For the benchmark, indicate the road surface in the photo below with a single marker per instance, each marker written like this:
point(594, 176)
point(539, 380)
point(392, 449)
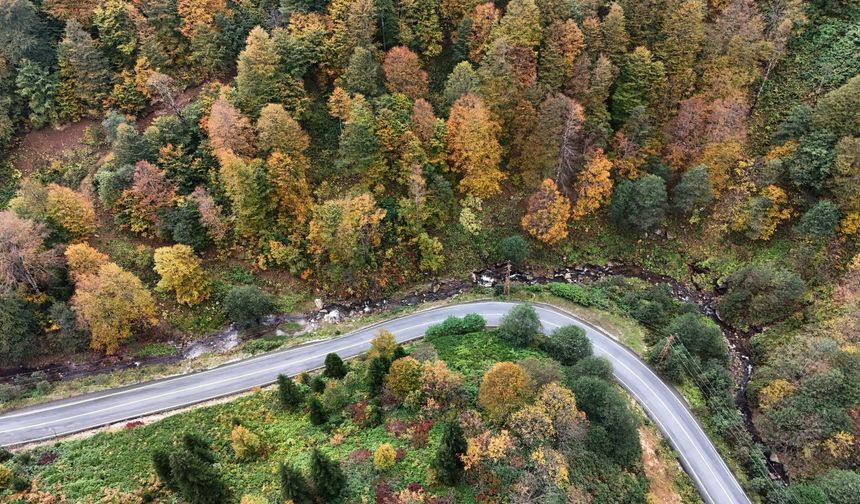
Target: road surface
point(664, 406)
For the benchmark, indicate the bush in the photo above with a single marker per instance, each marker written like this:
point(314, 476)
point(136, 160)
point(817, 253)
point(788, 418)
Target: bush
point(334, 367)
point(758, 295)
point(5, 477)
point(376, 372)
point(452, 325)
point(199, 483)
point(289, 394)
point(607, 409)
point(520, 326)
point(384, 457)
point(568, 344)
point(581, 295)
point(841, 486)
point(513, 249)
point(246, 445)
point(246, 305)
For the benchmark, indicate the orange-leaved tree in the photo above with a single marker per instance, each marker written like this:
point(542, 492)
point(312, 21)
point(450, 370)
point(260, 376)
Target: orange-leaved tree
point(547, 213)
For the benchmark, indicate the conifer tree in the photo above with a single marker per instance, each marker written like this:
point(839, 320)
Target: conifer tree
point(84, 73)
point(334, 367)
point(316, 411)
point(327, 476)
point(448, 464)
point(289, 394)
point(294, 487)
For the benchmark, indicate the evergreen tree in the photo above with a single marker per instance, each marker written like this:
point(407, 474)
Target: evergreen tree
point(316, 411)
point(693, 191)
point(294, 487)
point(359, 149)
point(639, 84)
point(161, 463)
point(520, 326)
point(362, 73)
point(327, 476)
point(258, 73)
point(289, 394)
point(39, 87)
point(334, 367)
point(448, 464)
point(376, 375)
point(199, 483)
point(639, 204)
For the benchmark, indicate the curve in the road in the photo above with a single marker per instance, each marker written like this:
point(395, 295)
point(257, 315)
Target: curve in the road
point(664, 406)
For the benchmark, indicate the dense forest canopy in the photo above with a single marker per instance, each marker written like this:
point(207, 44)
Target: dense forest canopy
point(364, 145)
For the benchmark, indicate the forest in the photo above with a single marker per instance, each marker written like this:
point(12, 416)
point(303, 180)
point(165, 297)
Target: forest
point(240, 158)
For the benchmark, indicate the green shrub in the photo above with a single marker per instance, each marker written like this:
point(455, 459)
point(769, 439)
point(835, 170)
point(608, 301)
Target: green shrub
point(5, 477)
point(265, 344)
point(521, 326)
point(513, 249)
point(246, 305)
point(316, 411)
point(581, 295)
point(334, 366)
point(598, 367)
point(448, 463)
point(289, 395)
point(568, 345)
point(327, 476)
point(294, 487)
point(452, 325)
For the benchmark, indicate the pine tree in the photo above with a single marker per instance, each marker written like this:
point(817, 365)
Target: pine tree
point(294, 487)
point(362, 73)
point(327, 476)
point(640, 83)
point(615, 38)
point(316, 411)
point(448, 464)
point(376, 375)
point(289, 394)
point(334, 367)
point(199, 483)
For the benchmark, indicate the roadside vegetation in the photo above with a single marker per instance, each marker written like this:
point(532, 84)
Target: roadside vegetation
point(465, 415)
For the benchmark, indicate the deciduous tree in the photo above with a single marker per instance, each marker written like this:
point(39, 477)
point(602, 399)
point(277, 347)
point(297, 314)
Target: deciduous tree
point(473, 147)
point(593, 185)
point(403, 73)
point(82, 260)
point(504, 389)
point(181, 272)
point(547, 214)
point(110, 304)
point(563, 43)
point(24, 261)
point(71, 210)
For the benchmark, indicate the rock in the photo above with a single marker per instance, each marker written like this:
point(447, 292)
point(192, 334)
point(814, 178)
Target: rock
point(280, 333)
point(318, 303)
point(333, 317)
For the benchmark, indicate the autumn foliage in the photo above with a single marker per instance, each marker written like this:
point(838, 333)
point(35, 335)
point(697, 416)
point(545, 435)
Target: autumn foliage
point(547, 214)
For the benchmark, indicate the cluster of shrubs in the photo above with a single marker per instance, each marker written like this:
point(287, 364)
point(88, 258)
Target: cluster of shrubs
point(15, 469)
point(471, 323)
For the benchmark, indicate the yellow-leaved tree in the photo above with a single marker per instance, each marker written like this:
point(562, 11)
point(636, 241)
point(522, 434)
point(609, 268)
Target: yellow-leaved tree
point(593, 185)
point(71, 210)
point(82, 260)
point(547, 213)
point(181, 272)
point(473, 147)
point(505, 388)
point(110, 303)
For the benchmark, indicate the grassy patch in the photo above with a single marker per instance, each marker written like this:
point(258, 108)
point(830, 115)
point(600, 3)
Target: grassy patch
point(155, 350)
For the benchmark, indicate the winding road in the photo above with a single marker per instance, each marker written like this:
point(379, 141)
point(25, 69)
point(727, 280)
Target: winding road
point(664, 406)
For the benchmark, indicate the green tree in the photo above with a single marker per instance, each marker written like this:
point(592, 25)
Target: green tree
point(700, 337)
point(362, 73)
point(521, 24)
point(448, 463)
point(463, 79)
point(521, 326)
point(316, 411)
point(199, 483)
point(334, 367)
point(837, 110)
point(116, 30)
point(18, 331)
point(514, 249)
point(639, 84)
point(21, 31)
point(819, 223)
point(614, 31)
point(419, 26)
point(359, 149)
point(289, 394)
point(85, 77)
point(39, 87)
point(563, 44)
point(376, 372)
point(613, 425)
point(294, 487)
point(639, 204)
point(693, 192)
point(327, 476)
point(258, 73)
point(246, 305)
point(568, 345)
point(841, 486)
point(758, 294)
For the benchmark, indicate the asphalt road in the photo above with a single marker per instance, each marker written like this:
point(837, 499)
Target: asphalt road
point(664, 406)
